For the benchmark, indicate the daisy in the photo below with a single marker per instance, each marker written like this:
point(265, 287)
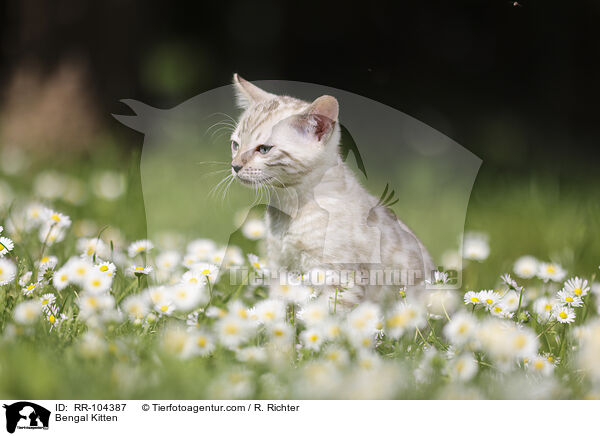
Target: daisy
point(232, 331)
point(461, 328)
point(168, 260)
point(135, 306)
point(107, 268)
point(201, 249)
point(233, 257)
point(577, 287)
point(60, 279)
point(551, 271)
point(186, 297)
point(290, 293)
point(312, 339)
point(254, 229)
point(202, 343)
point(92, 247)
point(157, 295)
point(34, 213)
point(564, 314)
point(472, 297)
point(77, 269)
point(139, 271)
point(270, 311)
point(46, 301)
point(464, 368)
point(25, 278)
point(336, 355)
point(476, 246)
point(439, 278)
point(27, 312)
point(540, 365)
point(208, 270)
point(314, 313)
point(511, 301)
point(165, 308)
point(194, 278)
point(489, 298)
point(501, 311)
point(281, 332)
point(55, 219)
point(565, 297)
point(47, 262)
point(193, 321)
point(256, 263)
point(526, 267)
point(29, 289)
point(139, 247)
point(404, 316)
point(51, 234)
point(6, 245)
point(543, 307)
point(96, 282)
point(523, 342)
point(55, 321)
point(8, 270)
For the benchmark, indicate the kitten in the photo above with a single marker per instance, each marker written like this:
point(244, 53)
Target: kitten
point(319, 216)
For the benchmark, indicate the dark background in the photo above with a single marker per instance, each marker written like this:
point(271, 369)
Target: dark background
point(517, 85)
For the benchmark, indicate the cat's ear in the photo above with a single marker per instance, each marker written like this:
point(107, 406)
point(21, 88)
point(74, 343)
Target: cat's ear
point(320, 117)
point(247, 93)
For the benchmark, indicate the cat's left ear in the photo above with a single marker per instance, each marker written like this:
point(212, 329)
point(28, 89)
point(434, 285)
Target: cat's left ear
point(322, 115)
point(247, 93)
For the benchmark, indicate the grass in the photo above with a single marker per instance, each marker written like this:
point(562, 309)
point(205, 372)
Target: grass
point(528, 214)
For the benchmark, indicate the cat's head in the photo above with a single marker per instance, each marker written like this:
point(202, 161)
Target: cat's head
point(280, 140)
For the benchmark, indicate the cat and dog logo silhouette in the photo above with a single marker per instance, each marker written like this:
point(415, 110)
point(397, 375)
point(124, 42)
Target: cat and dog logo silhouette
point(26, 415)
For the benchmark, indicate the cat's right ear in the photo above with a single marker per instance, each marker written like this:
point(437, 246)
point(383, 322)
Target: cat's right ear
point(247, 93)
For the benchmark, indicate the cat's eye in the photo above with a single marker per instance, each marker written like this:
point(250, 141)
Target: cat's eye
point(234, 146)
point(264, 149)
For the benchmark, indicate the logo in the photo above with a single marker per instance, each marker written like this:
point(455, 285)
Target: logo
point(26, 415)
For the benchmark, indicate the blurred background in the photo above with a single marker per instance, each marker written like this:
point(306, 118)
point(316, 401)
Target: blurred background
point(516, 83)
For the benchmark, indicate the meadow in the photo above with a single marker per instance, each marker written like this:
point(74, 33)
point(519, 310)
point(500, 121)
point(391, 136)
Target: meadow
point(90, 308)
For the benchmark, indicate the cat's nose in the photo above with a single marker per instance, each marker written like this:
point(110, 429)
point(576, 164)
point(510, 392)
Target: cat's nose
point(236, 168)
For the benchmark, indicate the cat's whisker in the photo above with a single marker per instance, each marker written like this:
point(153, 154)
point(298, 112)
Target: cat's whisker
point(214, 190)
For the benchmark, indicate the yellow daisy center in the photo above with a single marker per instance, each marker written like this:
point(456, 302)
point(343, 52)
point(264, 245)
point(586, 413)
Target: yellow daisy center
point(539, 364)
point(569, 299)
point(51, 319)
point(55, 217)
point(550, 269)
point(96, 283)
point(164, 308)
point(475, 299)
point(201, 341)
point(104, 268)
point(231, 329)
point(563, 315)
point(206, 272)
point(45, 259)
point(31, 287)
point(577, 291)
point(489, 301)
point(1, 247)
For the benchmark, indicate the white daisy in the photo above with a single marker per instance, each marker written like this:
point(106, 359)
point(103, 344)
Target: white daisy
point(543, 307)
point(232, 331)
point(165, 308)
point(194, 278)
point(96, 282)
point(27, 312)
point(78, 269)
point(168, 260)
point(551, 271)
point(254, 229)
point(139, 270)
point(6, 245)
point(472, 297)
point(60, 279)
point(25, 278)
point(312, 338)
point(201, 249)
point(526, 267)
point(404, 316)
point(489, 298)
point(208, 270)
point(136, 306)
point(476, 246)
point(46, 301)
point(51, 234)
point(202, 343)
point(567, 298)
point(55, 219)
point(564, 314)
point(29, 289)
point(257, 264)
point(540, 365)
point(461, 328)
point(577, 287)
point(107, 268)
point(139, 247)
point(270, 311)
point(8, 270)
point(186, 297)
point(463, 368)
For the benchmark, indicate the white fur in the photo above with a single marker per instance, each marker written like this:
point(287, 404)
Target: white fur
point(319, 215)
